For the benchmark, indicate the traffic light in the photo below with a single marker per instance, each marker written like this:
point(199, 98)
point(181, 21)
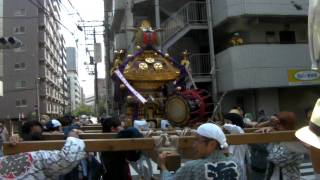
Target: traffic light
point(9, 43)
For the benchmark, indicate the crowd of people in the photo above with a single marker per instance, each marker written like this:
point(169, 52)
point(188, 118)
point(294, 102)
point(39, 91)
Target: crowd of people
point(215, 159)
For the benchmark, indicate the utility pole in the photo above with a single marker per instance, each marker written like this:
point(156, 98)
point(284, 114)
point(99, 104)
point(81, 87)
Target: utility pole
point(95, 78)
point(107, 63)
point(212, 56)
point(158, 23)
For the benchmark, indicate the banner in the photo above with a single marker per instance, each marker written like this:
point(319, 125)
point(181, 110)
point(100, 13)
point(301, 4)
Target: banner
point(132, 90)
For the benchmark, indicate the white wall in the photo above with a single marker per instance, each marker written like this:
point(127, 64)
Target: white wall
point(222, 9)
point(259, 65)
point(258, 31)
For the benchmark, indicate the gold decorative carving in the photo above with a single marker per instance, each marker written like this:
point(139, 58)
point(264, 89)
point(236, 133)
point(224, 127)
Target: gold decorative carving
point(149, 60)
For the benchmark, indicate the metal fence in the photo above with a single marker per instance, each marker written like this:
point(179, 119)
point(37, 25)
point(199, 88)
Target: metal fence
point(200, 64)
point(191, 13)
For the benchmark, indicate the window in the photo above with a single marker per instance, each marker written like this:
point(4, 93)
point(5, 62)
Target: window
point(18, 103)
point(21, 103)
point(20, 12)
point(20, 66)
point(19, 30)
point(270, 37)
point(42, 28)
point(21, 84)
point(20, 49)
point(287, 37)
point(41, 45)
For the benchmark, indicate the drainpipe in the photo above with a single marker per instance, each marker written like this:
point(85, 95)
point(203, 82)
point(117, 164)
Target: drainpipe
point(158, 24)
point(212, 56)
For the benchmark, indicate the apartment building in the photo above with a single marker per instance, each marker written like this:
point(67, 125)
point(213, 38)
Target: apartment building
point(259, 54)
point(33, 74)
point(64, 87)
point(73, 80)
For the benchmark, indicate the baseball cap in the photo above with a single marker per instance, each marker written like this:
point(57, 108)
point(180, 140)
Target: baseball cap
point(212, 131)
point(53, 124)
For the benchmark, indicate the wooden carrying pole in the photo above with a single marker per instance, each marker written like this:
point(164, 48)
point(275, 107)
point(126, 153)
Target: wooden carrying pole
point(97, 129)
point(185, 142)
point(93, 134)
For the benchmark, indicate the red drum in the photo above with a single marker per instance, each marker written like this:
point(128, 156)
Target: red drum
point(189, 107)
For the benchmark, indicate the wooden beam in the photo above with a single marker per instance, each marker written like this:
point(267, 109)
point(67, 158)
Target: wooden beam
point(97, 129)
point(91, 128)
point(96, 145)
point(93, 131)
point(96, 134)
point(60, 136)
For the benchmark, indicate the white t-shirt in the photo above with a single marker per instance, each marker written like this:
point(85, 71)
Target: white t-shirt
point(240, 152)
point(141, 124)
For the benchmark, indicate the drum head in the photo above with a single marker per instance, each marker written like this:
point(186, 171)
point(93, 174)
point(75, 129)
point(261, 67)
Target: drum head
point(177, 110)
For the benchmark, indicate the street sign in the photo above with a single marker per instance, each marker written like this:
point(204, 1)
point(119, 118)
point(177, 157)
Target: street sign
point(97, 52)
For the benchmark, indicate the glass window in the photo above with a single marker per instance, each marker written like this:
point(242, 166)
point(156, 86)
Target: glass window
point(21, 103)
point(16, 66)
point(20, 12)
point(20, 49)
point(19, 30)
point(18, 103)
point(20, 66)
point(21, 84)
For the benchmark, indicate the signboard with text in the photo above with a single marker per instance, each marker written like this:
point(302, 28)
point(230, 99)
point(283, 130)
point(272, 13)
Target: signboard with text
point(303, 76)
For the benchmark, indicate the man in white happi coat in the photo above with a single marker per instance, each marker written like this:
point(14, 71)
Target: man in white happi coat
point(40, 165)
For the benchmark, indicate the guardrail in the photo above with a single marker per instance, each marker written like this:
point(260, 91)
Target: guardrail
point(191, 13)
point(200, 64)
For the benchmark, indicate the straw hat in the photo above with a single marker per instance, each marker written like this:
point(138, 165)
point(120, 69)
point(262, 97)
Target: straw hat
point(311, 134)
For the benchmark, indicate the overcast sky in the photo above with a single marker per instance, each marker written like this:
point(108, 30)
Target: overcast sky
point(89, 10)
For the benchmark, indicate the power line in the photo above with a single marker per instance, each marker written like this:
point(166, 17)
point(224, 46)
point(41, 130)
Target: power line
point(53, 16)
point(65, 7)
point(40, 6)
point(19, 17)
point(77, 12)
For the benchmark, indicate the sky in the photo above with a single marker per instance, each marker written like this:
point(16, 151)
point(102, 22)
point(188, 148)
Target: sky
point(89, 11)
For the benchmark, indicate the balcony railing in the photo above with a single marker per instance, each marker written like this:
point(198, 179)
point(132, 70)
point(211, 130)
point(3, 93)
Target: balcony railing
point(191, 13)
point(200, 64)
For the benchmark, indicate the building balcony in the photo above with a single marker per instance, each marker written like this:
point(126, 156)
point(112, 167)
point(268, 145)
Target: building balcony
point(223, 9)
point(260, 65)
point(118, 14)
point(191, 16)
point(200, 67)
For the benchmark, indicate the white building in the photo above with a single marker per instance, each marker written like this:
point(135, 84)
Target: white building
point(89, 101)
point(269, 69)
point(33, 75)
point(73, 81)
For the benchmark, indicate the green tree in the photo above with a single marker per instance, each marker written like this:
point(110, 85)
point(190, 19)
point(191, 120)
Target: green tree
point(102, 105)
point(83, 109)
